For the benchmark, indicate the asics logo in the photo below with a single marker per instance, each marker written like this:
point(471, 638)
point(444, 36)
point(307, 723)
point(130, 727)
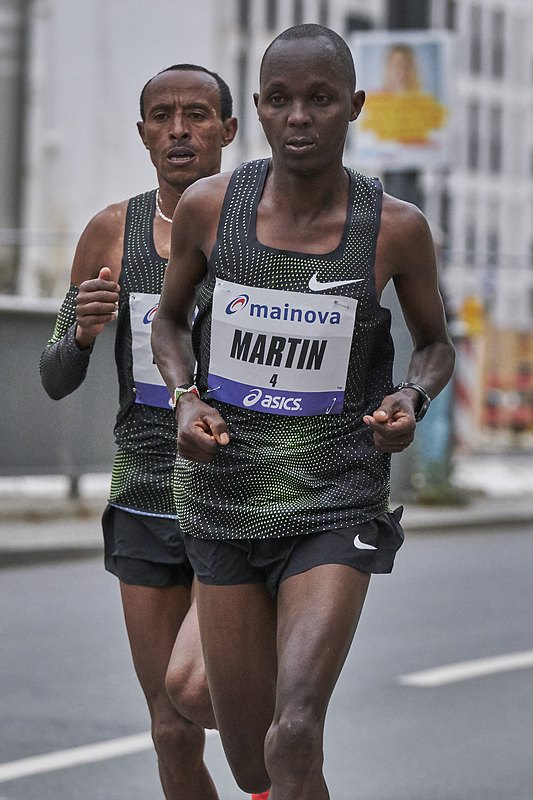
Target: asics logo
point(362, 545)
point(268, 400)
point(317, 286)
point(253, 397)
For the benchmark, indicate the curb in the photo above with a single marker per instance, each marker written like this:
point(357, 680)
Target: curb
point(422, 521)
point(28, 556)
point(28, 544)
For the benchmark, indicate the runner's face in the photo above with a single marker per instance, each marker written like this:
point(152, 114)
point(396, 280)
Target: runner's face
point(183, 129)
point(305, 104)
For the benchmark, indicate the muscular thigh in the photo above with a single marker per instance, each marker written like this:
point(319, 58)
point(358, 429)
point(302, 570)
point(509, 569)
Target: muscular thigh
point(318, 613)
point(237, 626)
point(153, 618)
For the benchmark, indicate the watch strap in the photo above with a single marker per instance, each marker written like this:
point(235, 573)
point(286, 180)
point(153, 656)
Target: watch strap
point(426, 399)
point(181, 390)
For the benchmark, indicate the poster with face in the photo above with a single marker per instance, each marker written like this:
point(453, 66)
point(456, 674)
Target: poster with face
point(405, 121)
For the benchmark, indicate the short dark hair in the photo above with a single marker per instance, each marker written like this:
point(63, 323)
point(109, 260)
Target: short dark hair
point(312, 31)
point(226, 100)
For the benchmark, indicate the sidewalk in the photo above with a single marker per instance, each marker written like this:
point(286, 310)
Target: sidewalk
point(39, 522)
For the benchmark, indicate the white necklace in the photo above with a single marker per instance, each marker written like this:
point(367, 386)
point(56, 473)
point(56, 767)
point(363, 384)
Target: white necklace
point(158, 208)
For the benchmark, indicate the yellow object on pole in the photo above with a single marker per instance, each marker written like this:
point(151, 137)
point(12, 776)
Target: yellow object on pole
point(472, 315)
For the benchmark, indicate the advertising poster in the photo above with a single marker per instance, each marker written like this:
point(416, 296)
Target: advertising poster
point(405, 121)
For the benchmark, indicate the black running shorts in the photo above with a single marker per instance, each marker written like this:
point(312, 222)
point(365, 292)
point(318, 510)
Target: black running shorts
point(369, 547)
point(143, 550)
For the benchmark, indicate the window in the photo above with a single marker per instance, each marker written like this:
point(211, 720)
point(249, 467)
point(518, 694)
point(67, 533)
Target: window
point(492, 263)
point(271, 19)
point(472, 141)
point(470, 230)
point(357, 22)
point(493, 247)
point(495, 138)
point(244, 15)
point(407, 14)
point(451, 15)
point(475, 40)
point(498, 44)
point(323, 13)
point(445, 207)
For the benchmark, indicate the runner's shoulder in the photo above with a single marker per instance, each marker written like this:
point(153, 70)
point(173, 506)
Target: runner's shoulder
point(400, 216)
point(101, 243)
point(206, 193)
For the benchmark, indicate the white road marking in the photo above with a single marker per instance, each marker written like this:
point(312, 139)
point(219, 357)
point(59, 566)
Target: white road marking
point(465, 670)
point(87, 754)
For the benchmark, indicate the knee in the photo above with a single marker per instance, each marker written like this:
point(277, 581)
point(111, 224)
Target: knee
point(173, 734)
point(189, 694)
point(293, 745)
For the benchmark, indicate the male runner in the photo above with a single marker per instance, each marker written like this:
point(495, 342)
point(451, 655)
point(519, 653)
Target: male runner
point(290, 421)
point(118, 269)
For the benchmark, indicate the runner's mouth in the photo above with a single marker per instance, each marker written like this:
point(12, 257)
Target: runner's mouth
point(180, 155)
point(299, 144)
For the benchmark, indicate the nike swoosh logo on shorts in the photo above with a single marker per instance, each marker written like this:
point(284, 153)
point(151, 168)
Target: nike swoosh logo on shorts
point(362, 545)
point(316, 286)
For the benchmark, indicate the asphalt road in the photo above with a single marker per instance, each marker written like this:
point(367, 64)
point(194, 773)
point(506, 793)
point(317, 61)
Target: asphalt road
point(66, 682)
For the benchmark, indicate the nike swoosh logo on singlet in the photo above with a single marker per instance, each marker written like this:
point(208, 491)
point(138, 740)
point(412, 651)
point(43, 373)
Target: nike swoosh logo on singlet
point(316, 286)
point(362, 545)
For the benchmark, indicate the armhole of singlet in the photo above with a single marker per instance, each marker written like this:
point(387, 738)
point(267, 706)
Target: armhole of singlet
point(223, 212)
point(377, 224)
point(229, 193)
point(127, 228)
point(149, 219)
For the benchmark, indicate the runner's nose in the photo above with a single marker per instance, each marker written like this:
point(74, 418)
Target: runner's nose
point(299, 114)
point(180, 126)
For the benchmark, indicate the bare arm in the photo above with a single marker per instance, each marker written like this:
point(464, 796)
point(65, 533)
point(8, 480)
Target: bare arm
point(406, 254)
point(89, 304)
point(201, 428)
point(96, 271)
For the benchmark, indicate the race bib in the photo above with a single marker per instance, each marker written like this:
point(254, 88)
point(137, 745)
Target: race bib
point(280, 352)
point(150, 389)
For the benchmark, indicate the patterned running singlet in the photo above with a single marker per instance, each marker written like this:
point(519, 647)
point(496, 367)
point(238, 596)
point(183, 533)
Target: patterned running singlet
point(145, 430)
point(292, 349)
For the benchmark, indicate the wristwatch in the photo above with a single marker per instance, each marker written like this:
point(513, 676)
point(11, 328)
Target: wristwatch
point(426, 399)
point(179, 390)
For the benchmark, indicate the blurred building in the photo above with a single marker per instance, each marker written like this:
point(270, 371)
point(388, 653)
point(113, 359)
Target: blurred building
point(70, 76)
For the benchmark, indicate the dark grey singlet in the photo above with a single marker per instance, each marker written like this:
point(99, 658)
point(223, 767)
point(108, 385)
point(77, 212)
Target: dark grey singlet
point(285, 472)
